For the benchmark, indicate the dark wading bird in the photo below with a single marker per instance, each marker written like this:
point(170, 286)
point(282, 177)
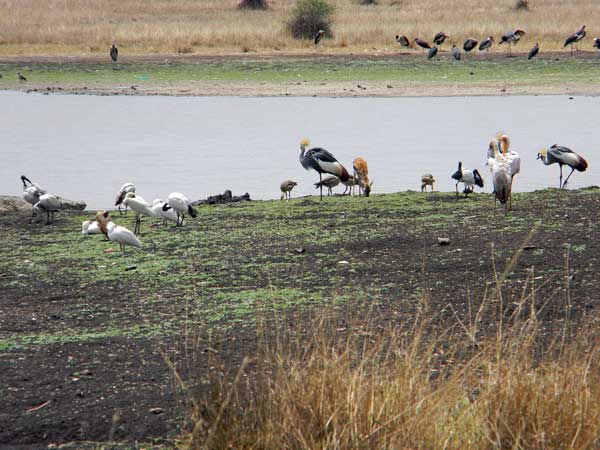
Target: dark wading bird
point(469, 45)
point(468, 177)
point(421, 43)
point(31, 192)
point(534, 51)
point(512, 38)
point(486, 44)
point(596, 43)
point(563, 156)
point(439, 38)
point(114, 53)
point(402, 40)
point(455, 52)
point(321, 161)
point(319, 36)
point(575, 38)
point(21, 77)
point(432, 52)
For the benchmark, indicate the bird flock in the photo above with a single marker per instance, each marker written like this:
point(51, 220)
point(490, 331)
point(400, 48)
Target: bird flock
point(510, 38)
point(503, 162)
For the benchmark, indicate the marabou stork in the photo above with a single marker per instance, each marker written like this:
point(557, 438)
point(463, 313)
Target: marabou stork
point(286, 189)
point(468, 177)
point(421, 43)
point(439, 38)
point(563, 156)
point(469, 45)
point(322, 161)
point(402, 40)
point(319, 36)
point(511, 38)
point(575, 38)
point(114, 53)
point(432, 52)
point(534, 51)
point(486, 44)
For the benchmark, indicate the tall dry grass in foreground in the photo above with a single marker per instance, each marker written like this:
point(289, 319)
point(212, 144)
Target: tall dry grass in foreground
point(213, 26)
point(498, 379)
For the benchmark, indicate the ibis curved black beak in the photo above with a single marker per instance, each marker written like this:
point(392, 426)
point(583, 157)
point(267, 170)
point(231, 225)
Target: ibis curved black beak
point(166, 207)
point(26, 181)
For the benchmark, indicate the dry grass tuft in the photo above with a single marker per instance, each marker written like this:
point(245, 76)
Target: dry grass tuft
point(253, 4)
point(522, 5)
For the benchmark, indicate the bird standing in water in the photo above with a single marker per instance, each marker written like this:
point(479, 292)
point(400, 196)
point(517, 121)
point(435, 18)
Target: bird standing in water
point(557, 154)
point(322, 162)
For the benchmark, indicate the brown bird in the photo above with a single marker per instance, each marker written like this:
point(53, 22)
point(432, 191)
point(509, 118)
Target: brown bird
point(534, 51)
point(455, 52)
point(114, 53)
point(486, 44)
point(575, 38)
point(421, 43)
point(512, 38)
point(596, 43)
point(319, 36)
point(329, 182)
point(469, 45)
point(402, 40)
point(21, 77)
point(439, 38)
point(286, 189)
point(427, 180)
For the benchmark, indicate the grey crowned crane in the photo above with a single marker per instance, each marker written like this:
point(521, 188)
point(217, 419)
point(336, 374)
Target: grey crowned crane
point(468, 177)
point(322, 162)
point(402, 40)
point(575, 38)
point(534, 51)
point(421, 43)
point(486, 44)
point(557, 154)
point(432, 52)
point(455, 53)
point(469, 45)
point(319, 36)
point(286, 189)
point(114, 53)
point(512, 38)
point(596, 43)
point(329, 182)
point(31, 192)
point(439, 38)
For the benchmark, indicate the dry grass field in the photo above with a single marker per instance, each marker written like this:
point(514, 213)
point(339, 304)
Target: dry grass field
point(33, 27)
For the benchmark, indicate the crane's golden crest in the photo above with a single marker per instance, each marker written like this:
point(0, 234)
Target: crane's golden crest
point(543, 152)
point(304, 142)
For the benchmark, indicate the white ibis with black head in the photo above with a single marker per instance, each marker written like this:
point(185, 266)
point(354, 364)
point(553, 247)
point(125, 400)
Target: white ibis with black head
point(557, 154)
point(31, 191)
point(322, 162)
point(125, 189)
point(182, 206)
point(169, 214)
point(421, 43)
point(469, 177)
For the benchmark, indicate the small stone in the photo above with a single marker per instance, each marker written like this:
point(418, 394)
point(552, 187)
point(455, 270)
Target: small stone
point(301, 250)
point(156, 411)
point(130, 268)
point(343, 262)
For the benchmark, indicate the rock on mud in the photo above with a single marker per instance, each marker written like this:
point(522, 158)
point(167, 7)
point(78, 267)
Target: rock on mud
point(9, 203)
point(225, 197)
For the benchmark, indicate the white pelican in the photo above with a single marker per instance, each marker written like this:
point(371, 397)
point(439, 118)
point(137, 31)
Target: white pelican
point(169, 214)
point(127, 187)
point(181, 205)
point(117, 233)
point(90, 227)
point(501, 176)
point(31, 191)
point(514, 161)
point(563, 156)
point(141, 208)
point(48, 204)
point(468, 177)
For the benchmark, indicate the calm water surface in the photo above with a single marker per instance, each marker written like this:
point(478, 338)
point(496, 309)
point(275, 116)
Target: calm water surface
point(86, 147)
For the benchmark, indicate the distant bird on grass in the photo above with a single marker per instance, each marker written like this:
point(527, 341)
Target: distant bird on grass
point(361, 172)
point(469, 45)
point(468, 177)
point(501, 177)
point(432, 52)
point(319, 36)
point(575, 38)
point(557, 154)
point(439, 38)
point(322, 162)
point(114, 53)
point(90, 227)
point(350, 183)
point(596, 43)
point(455, 52)
point(427, 180)
point(48, 204)
point(501, 146)
point(534, 51)
point(31, 192)
point(125, 189)
point(512, 38)
point(329, 182)
point(21, 77)
point(116, 233)
point(421, 43)
point(141, 208)
point(182, 206)
point(486, 44)
point(402, 40)
point(169, 215)
point(286, 189)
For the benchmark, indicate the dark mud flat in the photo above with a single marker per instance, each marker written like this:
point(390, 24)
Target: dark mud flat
point(84, 333)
